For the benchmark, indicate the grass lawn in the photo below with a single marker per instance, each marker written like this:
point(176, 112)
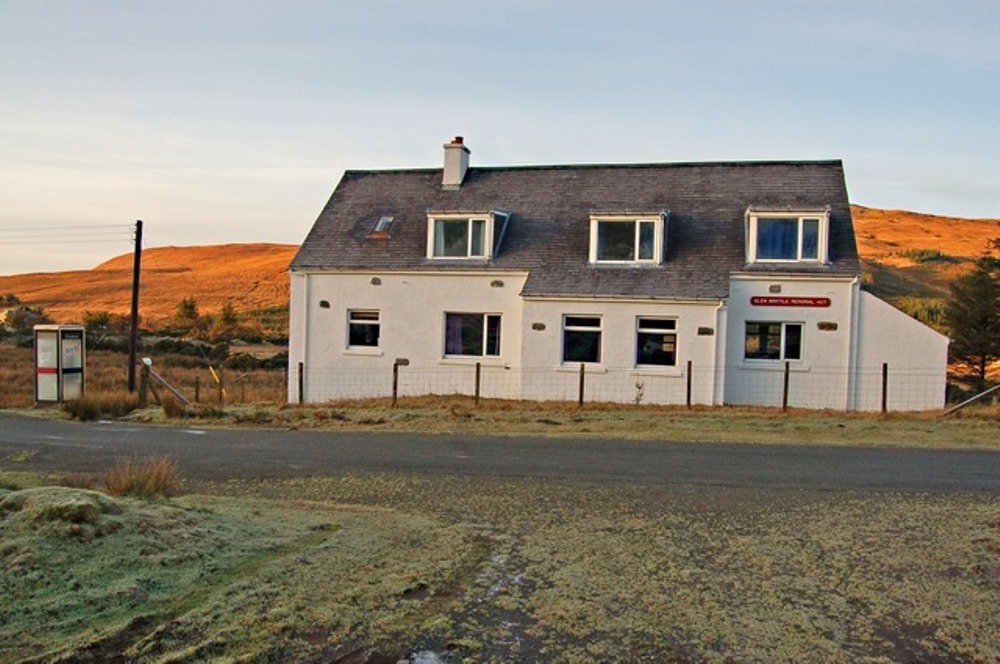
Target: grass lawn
point(974, 428)
point(373, 567)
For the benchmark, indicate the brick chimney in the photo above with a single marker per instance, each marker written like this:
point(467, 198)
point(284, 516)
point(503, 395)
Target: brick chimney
point(456, 163)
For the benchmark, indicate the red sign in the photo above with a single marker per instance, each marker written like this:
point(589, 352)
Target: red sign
point(788, 301)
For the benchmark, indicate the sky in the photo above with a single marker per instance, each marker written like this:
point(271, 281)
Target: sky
point(218, 121)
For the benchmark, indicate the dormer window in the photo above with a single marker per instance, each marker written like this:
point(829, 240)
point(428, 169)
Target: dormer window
point(626, 239)
point(463, 236)
point(787, 236)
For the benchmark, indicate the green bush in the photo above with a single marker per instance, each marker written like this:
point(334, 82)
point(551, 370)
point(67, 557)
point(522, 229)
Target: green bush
point(927, 256)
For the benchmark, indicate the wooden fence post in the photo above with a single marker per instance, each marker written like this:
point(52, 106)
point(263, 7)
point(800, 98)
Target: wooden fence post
point(583, 381)
point(395, 383)
point(197, 388)
point(144, 386)
point(302, 382)
point(784, 387)
point(885, 387)
point(479, 374)
point(689, 384)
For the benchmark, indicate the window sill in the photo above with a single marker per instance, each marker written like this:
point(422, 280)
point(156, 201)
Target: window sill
point(649, 370)
point(472, 360)
point(364, 352)
point(788, 261)
point(631, 264)
point(589, 367)
point(773, 365)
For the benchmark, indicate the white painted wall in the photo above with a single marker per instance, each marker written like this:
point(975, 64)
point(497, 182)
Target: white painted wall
point(821, 378)
point(412, 308)
point(616, 378)
point(916, 355)
point(835, 372)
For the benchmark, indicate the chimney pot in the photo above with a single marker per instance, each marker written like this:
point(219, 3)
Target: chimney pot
point(456, 163)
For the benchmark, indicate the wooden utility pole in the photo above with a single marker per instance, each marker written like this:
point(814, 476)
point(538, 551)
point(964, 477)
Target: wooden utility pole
point(133, 340)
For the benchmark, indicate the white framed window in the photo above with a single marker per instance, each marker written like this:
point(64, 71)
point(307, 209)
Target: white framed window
point(581, 339)
point(472, 334)
point(363, 328)
point(656, 342)
point(626, 239)
point(459, 237)
point(783, 237)
point(770, 340)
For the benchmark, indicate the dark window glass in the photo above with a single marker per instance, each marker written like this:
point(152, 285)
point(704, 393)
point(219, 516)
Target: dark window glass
point(615, 241)
point(472, 334)
point(581, 339)
point(763, 341)
point(793, 342)
point(451, 237)
point(363, 328)
point(647, 231)
point(773, 341)
point(478, 231)
point(777, 239)
point(810, 239)
point(493, 335)
point(656, 342)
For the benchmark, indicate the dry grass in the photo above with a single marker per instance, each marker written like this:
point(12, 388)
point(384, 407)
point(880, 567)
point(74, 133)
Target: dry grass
point(250, 276)
point(94, 407)
point(378, 567)
point(257, 399)
point(107, 380)
point(151, 477)
point(893, 237)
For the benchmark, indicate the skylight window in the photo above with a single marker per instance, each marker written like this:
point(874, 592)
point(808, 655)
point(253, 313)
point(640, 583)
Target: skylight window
point(383, 224)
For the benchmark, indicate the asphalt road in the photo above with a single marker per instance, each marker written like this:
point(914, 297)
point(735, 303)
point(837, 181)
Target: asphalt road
point(32, 444)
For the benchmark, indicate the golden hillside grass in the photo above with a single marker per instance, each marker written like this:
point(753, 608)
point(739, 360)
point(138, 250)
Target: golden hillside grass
point(886, 235)
point(251, 276)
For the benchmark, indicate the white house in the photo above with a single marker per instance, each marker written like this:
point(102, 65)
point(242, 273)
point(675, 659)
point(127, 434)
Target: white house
point(705, 283)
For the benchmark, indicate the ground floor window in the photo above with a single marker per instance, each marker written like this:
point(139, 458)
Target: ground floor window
point(581, 339)
point(773, 341)
point(656, 342)
point(362, 328)
point(472, 334)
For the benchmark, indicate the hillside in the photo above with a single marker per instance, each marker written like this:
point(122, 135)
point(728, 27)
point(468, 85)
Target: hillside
point(251, 276)
point(911, 255)
point(905, 255)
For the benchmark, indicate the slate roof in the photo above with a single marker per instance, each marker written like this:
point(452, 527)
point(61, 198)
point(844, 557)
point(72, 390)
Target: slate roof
point(548, 233)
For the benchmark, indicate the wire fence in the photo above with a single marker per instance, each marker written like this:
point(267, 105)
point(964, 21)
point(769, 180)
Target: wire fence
point(779, 385)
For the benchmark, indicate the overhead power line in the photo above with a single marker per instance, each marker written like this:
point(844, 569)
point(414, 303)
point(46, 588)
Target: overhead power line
point(63, 228)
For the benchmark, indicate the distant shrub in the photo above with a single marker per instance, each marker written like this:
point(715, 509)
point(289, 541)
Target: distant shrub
point(93, 407)
point(205, 411)
point(926, 310)
point(79, 481)
point(173, 408)
point(277, 361)
point(257, 416)
point(83, 409)
point(242, 362)
point(143, 478)
point(927, 256)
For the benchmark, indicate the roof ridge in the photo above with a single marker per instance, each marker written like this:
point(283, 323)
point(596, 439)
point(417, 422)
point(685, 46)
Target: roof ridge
point(746, 163)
